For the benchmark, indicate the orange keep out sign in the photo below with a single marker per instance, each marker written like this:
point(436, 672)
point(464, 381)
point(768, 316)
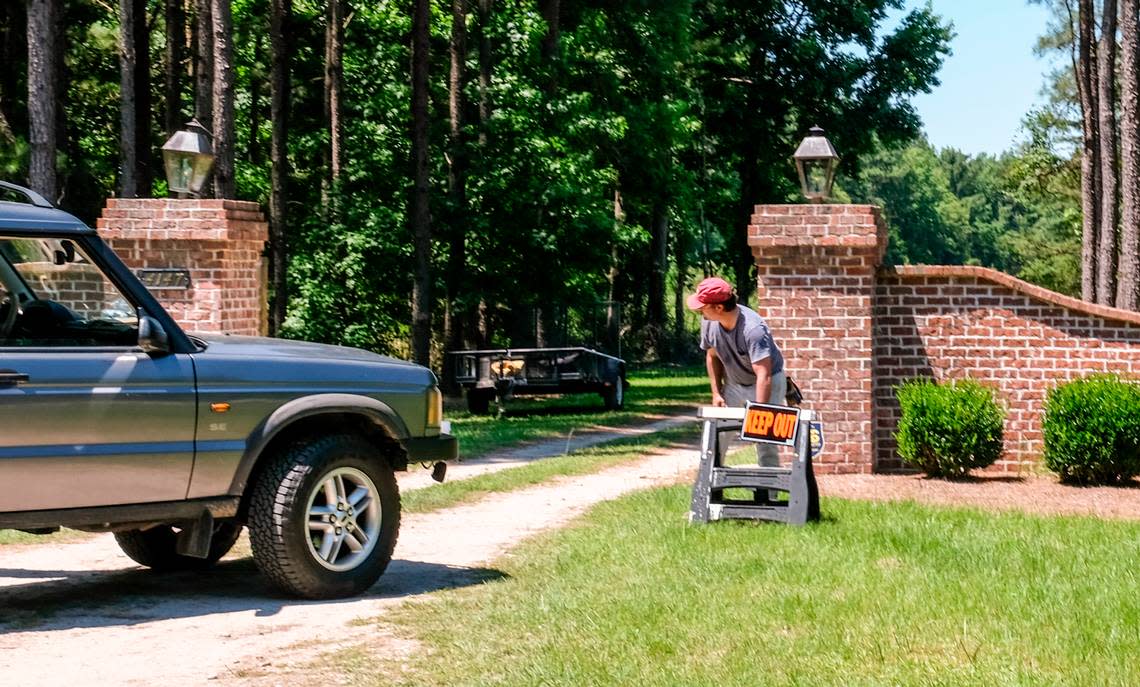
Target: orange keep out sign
point(770, 424)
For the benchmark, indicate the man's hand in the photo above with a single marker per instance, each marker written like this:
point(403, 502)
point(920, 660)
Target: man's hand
point(718, 400)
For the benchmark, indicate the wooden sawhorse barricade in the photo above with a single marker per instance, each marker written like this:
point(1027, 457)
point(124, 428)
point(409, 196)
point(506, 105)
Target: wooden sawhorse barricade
point(798, 481)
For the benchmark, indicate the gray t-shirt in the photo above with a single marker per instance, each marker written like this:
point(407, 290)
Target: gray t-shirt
point(750, 341)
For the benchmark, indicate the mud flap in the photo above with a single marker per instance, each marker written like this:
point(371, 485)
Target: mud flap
point(194, 539)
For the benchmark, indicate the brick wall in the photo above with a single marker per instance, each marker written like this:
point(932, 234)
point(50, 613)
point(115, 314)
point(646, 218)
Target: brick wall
point(816, 267)
point(220, 242)
point(852, 331)
point(1021, 339)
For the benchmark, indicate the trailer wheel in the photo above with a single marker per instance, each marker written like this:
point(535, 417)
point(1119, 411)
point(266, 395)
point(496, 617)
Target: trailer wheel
point(479, 401)
point(614, 395)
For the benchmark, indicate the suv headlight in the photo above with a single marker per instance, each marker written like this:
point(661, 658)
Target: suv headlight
point(434, 407)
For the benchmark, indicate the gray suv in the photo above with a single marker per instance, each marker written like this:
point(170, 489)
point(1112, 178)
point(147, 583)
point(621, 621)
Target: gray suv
point(112, 418)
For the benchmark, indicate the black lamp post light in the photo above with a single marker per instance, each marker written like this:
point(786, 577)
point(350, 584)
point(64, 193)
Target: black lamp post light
point(188, 158)
point(816, 161)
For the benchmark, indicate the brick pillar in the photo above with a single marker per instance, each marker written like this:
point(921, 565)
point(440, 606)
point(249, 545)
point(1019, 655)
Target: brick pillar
point(816, 266)
point(220, 243)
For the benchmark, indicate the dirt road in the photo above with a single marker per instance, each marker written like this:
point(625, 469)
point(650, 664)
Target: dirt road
point(83, 614)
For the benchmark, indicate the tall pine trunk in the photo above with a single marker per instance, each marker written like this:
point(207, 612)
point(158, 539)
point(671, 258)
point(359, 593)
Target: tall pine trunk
point(223, 94)
point(173, 56)
point(421, 213)
point(204, 64)
point(1126, 282)
point(455, 316)
point(1110, 190)
point(485, 7)
point(134, 99)
point(42, 99)
point(1086, 72)
point(659, 265)
point(481, 325)
point(334, 86)
point(281, 12)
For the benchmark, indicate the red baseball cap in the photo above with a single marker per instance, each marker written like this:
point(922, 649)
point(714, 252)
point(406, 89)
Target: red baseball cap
point(710, 291)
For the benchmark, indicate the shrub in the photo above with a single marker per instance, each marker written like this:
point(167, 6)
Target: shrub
point(948, 429)
point(1091, 429)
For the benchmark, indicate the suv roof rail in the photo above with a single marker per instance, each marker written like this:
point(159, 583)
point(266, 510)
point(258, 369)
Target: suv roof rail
point(33, 197)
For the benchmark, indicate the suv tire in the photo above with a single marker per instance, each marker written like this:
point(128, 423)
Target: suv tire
point(156, 548)
point(324, 517)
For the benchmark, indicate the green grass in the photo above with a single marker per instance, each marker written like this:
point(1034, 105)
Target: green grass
point(526, 419)
point(15, 537)
point(876, 594)
point(580, 462)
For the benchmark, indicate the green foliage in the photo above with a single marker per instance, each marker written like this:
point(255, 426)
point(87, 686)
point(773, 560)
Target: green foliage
point(1091, 429)
point(1018, 213)
point(685, 110)
point(948, 429)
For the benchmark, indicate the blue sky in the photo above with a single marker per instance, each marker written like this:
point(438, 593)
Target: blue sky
point(991, 81)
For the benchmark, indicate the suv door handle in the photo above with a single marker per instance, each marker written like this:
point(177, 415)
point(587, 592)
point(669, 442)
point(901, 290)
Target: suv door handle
point(12, 378)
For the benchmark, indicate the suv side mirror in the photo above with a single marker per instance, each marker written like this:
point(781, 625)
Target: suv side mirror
point(152, 337)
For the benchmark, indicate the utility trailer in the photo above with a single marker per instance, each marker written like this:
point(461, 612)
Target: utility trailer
point(507, 372)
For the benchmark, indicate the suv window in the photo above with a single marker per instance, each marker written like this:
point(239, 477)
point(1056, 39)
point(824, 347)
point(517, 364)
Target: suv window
point(60, 296)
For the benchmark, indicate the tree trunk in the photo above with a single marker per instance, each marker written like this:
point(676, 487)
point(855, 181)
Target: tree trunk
point(134, 98)
point(174, 54)
point(204, 65)
point(42, 102)
point(1085, 70)
point(334, 85)
point(421, 213)
point(1110, 190)
point(281, 12)
point(253, 151)
point(613, 308)
point(223, 93)
point(550, 10)
point(485, 7)
point(128, 134)
point(13, 52)
point(681, 257)
point(1126, 282)
point(659, 245)
point(455, 316)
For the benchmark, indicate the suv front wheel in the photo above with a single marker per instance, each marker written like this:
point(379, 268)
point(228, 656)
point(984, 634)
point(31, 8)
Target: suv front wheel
point(324, 517)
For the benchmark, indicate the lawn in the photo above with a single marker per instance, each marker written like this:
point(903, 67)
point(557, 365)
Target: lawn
point(875, 594)
point(656, 392)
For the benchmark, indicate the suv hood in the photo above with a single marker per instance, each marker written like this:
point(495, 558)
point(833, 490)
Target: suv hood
point(265, 347)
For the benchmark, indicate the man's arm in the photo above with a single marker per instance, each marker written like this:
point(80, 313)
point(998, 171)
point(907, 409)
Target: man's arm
point(763, 370)
point(715, 369)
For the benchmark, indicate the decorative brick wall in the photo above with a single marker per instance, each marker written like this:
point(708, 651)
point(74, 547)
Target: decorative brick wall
point(1021, 339)
point(220, 243)
point(816, 267)
point(852, 331)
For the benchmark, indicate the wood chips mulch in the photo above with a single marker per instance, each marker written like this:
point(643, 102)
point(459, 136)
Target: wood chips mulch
point(1039, 494)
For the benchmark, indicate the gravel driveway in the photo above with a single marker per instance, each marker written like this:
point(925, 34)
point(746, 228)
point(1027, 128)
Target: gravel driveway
point(82, 613)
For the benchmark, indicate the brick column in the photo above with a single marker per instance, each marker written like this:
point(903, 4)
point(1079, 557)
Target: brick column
point(816, 266)
point(220, 244)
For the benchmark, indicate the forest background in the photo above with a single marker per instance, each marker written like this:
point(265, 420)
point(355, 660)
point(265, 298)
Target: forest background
point(488, 172)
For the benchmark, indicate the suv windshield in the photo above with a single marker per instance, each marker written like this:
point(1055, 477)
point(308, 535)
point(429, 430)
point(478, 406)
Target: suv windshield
point(52, 294)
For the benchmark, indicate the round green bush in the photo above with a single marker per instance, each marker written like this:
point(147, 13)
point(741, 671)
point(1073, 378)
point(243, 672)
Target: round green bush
point(1091, 430)
point(948, 429)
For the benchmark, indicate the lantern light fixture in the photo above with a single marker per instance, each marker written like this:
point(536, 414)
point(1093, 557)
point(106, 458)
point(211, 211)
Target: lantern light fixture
point(188, 158)
point(816, 161)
